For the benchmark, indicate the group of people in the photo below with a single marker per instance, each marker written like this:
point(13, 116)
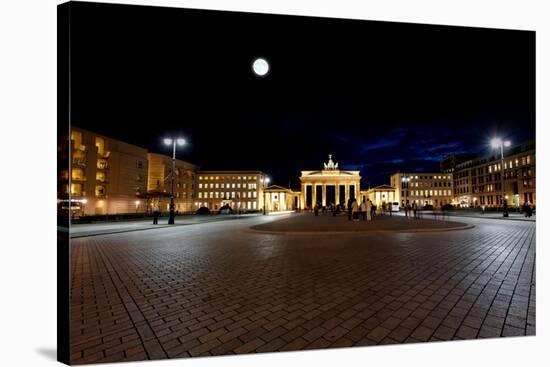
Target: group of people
point(527, 209)
point(366, 209)
point(408, 208)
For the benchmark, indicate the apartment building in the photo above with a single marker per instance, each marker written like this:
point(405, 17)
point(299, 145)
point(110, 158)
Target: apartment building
point(159, 183)
point(479, 181)
point(242, 190)
point(422, 188)
point(106, 176)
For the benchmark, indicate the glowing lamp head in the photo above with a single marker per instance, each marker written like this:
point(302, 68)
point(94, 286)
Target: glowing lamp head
point(267, 180)
point(167, 141)
point(84, 201)
point(180, 141)
point(260, 67)
point(507, 143)
point(496, 142)
point(137, 202)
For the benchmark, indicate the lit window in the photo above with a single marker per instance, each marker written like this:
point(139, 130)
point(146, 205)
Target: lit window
point(200, 186)
point(528, 159)
point(200, 195)
point(217, 186)
point(232, 194)
point(254, 194)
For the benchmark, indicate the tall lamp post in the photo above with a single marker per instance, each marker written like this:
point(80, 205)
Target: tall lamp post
point(173, 142)
point(498, 143)
point(266, 182)
point(405, 180)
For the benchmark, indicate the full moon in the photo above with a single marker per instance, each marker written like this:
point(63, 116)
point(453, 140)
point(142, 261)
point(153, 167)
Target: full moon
point(260, 67)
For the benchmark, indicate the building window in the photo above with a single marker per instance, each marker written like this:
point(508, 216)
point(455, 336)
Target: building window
point(139, 164)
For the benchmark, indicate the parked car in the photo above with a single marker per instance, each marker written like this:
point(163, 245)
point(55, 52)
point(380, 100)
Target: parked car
point(226, 209)
point(203, 210)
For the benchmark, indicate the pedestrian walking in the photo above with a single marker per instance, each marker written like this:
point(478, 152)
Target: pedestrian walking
point(316, 209)
point(373, 209)
point(350, 204)
point(355, 210)
point(156, 215)
point(364, 209)
point(369, 210)
point(414, 208)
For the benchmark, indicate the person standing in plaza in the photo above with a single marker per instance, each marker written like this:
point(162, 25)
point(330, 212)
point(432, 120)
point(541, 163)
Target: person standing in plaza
point(364, 209)
point(355, 210)
point(156, 214)
point(369, 210)
point(350, 204)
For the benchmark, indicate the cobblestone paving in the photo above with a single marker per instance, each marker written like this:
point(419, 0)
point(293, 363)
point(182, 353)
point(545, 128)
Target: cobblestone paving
point(218, 288)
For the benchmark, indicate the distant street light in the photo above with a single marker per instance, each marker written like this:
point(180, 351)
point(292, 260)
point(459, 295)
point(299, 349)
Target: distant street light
point(266, 183)
point(173, 142)
point(405, 180)
point(498, 143)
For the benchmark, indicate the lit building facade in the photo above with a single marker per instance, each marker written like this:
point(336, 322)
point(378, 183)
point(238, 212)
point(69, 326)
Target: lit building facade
point(328, 186)
point(159, 183)
point(241, 190)
point(278, 198)
point(423, 188)
point(106, 176)
point(479, 182)
point(380, 195)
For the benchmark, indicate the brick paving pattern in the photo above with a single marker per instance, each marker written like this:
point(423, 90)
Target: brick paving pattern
point(196, 291)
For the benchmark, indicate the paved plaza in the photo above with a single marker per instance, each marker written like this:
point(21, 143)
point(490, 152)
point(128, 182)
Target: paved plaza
point(220, 288)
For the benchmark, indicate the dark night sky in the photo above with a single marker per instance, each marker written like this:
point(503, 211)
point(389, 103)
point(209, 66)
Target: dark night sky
point(380, 96)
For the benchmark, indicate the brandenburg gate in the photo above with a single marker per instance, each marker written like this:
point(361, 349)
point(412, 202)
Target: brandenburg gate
point(330, 185)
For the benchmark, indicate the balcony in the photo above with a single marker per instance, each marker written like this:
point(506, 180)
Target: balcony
point(104, 154)
point(102, 164)
point(79, 162)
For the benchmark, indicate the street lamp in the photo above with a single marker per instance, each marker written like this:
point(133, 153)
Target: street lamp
point(173, 142)
point(266, 182)
point(498, 143)
point(405, 180)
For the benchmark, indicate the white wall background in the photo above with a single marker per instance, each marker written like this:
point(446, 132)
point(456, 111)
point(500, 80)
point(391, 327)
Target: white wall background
point(28, 148)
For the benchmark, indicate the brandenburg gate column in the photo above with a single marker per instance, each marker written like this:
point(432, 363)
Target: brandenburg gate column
point(324, 198)
point(313, 195)
point(346, 197)
point(337, 192)
point(303, 196)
